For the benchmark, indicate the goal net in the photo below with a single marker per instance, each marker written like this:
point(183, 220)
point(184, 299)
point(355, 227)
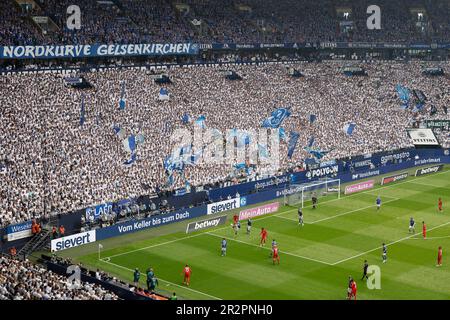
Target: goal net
point(301, 194)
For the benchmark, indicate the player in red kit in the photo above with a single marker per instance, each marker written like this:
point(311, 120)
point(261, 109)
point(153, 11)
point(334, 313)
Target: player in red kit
point(187, 275)
point(275, 255)
point(263, 235)
point(424, 229)
point(354, 290)
point(439, 262)
point(235, 219)
point(440, 204)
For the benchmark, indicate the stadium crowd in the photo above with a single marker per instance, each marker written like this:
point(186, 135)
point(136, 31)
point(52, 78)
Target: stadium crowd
point(248, 21)
point(23, 280)
point(52, 165)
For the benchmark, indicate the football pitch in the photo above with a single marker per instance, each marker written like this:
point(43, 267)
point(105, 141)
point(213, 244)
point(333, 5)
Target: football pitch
point(316, 259)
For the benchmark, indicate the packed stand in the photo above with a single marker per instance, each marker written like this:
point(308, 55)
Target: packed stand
point(52, 165)
point(23, 280)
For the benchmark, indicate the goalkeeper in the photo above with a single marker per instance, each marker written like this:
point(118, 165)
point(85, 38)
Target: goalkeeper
point(314, 200)
point(300, 217)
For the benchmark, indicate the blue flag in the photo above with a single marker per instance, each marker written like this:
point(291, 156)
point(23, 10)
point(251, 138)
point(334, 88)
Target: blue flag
point(276, 118)
point(132, 160)
point(122, 101)
point(201, 121)
point(282, 133)
point(163, 94)
point(262, 150)
point(185, 119)
point(293, 139)
point(130, 144)
point(312, 118)
point(403, 92)
point(311, 142)
point(82, 111)
point(349, 128)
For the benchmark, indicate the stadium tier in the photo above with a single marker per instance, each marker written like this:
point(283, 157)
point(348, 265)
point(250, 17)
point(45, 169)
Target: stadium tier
point(147, 144)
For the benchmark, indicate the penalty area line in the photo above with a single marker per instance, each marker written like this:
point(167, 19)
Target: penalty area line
point(255, 245)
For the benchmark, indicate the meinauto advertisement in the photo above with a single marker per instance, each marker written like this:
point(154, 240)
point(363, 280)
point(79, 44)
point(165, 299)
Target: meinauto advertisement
point(259, 211)
point(394, 178)
point(359, 186)
point(433, 169)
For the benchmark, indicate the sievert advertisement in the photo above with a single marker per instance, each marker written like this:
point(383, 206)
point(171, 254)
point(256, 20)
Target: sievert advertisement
point(225, 205)
point(73, 241)
point(205, 224)
point(423, 137)
point(259, 211)
point(359, 186)
point(434, 169)
point(394, 178)
point(19, 231)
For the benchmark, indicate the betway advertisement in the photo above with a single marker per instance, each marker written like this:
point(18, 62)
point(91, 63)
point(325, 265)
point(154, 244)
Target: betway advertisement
point(73, 241)
point(434, 169)
point(259, 211)
point(394, 178)
point(226, 205)
point(359, 186)
point(205, 224)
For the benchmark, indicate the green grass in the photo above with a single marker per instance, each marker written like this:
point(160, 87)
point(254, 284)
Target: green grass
point(316, 259)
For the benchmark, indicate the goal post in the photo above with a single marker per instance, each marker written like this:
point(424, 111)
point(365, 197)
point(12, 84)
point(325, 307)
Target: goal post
point(300, 194)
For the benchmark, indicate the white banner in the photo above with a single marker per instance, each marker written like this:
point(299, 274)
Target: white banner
point(73, 241)
point(224, 205)
point(423, 137)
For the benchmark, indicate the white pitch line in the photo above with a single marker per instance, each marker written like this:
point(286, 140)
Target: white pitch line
point(199, 234)
point(255, 245)
point(174, 284)
point(429, 185)
point(389, 244)
point(274, 215)
point(430, 238)
point(337, 215)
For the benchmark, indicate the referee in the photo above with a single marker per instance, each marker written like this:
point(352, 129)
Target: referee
point(365, 267)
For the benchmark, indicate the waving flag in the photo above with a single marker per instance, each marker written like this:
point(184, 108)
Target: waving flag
point(129, 144)
point(82, 111)
point(163, 94)
point(122, 101)
point(276, 118)
point(349, 128)
point(316, 153)
point(262, 151)
point(403, 94)
point(243, 138)
point(312, 118)
point(130, 161)
point(311, 142)
point(201, 121)
point(282, 134)
point(293, 139)
point(185, 119)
